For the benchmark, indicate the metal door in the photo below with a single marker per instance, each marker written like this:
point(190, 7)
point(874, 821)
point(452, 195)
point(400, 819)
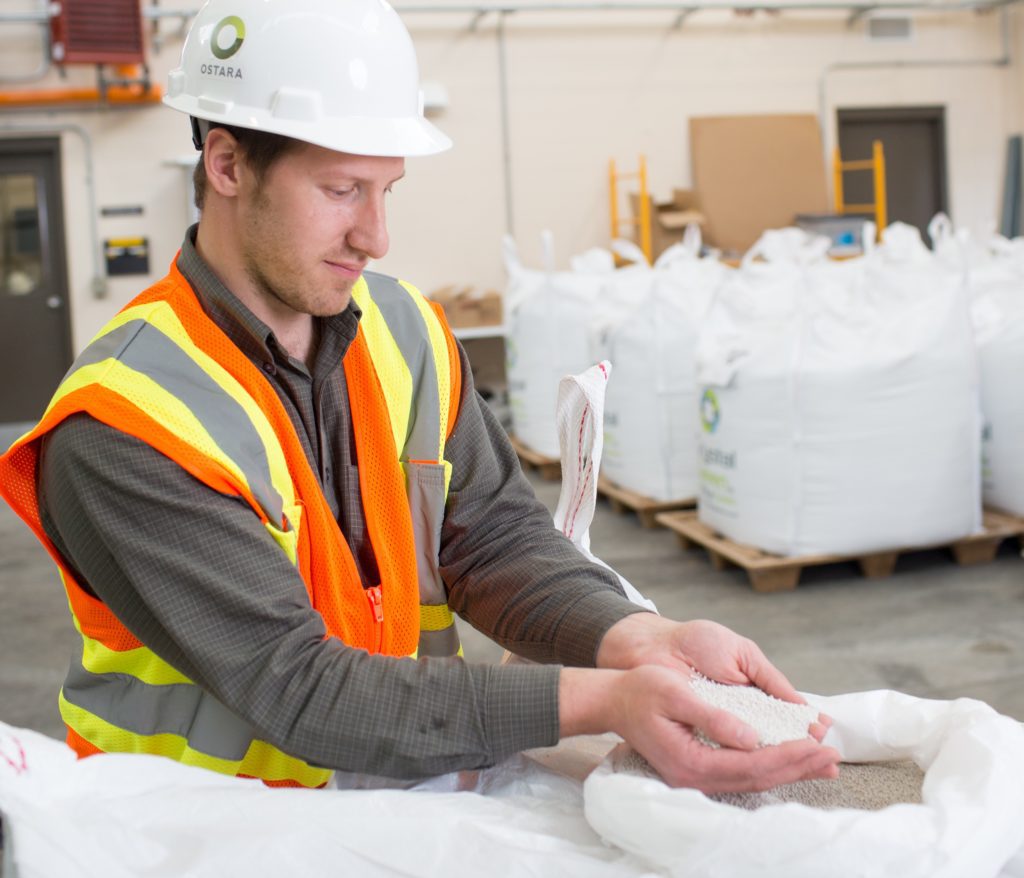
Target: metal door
point(914, 139)
point(35, 321)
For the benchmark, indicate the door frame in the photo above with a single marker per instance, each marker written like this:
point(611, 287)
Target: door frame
point(51, 221)
point(920, 113)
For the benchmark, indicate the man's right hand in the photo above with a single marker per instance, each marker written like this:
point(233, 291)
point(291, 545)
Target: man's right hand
point(657, 712)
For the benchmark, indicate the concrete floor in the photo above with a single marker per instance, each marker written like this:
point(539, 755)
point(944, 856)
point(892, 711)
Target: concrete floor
point(933, 629)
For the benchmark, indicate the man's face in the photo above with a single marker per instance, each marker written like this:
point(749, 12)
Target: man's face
point(311, 225)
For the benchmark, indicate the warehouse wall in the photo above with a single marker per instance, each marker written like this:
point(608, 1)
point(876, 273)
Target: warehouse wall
point(582, 88)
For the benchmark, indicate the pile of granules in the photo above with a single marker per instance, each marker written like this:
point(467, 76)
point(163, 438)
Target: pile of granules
point(774, 720)
point(869, 786)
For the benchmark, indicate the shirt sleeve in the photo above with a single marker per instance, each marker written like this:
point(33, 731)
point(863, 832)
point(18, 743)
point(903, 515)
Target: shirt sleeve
point(194, 576)
point(508, 571)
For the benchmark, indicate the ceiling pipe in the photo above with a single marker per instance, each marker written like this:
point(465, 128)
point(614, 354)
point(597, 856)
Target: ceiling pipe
point(121, 95)
point(154, 13)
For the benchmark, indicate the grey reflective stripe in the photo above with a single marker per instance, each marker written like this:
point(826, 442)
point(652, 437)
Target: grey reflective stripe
point(144, 348)
point(174, 709)
point(109, 346)
point(406, 324)
point(439, 644)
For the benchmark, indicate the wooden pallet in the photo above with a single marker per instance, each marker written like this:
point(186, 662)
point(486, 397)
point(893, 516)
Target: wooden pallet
point(549, 468)
point(647, 509)
point(769, 572)
point(1019, 519)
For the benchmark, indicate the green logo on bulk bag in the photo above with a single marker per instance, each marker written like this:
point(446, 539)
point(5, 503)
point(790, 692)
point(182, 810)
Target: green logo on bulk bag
point(710, 413)
point(215, 42)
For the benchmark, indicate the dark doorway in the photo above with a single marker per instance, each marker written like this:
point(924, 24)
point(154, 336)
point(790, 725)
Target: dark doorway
point(914, 140)
point(35, 321)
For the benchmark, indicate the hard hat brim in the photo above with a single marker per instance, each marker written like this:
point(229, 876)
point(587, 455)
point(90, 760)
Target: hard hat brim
point(367, 135)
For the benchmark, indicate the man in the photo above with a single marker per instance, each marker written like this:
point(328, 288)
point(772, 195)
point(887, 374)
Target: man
point(269, 482)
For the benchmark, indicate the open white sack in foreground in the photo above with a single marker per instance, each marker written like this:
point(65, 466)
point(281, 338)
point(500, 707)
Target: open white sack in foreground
point(125, 816)
point(969, 825)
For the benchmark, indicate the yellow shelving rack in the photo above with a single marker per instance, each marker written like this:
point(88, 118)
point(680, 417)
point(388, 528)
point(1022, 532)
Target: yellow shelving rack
point(643, 222)
point(875, 164)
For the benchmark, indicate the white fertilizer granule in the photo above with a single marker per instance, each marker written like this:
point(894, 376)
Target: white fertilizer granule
point(774, 720)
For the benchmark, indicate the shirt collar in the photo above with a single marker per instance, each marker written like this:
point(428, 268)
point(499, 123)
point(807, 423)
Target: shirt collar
point(245, 330)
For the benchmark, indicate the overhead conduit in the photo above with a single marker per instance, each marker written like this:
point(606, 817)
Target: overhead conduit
point(101, 32)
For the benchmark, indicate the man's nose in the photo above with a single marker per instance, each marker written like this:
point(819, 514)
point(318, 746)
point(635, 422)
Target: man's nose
point(369, 235)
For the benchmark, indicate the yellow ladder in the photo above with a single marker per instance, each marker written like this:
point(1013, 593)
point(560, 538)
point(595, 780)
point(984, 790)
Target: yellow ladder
point(644, 220)
point(875, 164)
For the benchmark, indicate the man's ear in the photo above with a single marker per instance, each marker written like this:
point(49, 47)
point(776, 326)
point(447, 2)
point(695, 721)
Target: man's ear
point(223, 157)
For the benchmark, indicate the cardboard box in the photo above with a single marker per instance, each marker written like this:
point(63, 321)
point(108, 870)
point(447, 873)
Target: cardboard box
point(466, 307)
point(669, 219)
point(755, 173)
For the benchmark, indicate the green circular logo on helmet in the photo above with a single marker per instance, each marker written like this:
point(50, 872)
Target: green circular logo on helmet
point(710, 413)
point(215, 46)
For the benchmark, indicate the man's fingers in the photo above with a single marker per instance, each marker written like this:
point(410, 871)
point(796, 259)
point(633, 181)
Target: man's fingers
point(736, 771)
point(763, 674)
point(819, 729)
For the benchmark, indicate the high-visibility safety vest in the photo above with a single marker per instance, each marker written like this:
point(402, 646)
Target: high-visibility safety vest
point(162, 371)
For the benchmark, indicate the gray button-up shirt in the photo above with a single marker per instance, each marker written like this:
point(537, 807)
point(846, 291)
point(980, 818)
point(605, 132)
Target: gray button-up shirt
point(192, 575)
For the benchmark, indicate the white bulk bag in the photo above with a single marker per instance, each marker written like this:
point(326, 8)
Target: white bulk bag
point(651, 416)
point(840, 407)
point(996, 281)
point(968, 825)
point(998, 315)
point(548, 316)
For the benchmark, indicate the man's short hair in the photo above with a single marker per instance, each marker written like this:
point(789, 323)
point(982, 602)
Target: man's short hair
point(260, 148)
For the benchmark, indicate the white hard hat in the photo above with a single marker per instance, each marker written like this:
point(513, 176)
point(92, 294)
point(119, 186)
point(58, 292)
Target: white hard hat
point(341, 74)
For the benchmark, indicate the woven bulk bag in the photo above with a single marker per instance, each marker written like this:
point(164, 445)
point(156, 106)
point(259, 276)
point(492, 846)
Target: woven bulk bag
point(996, 281)
point(549, 314)
point(997, 312)
point(651, 417)
point(840, 409)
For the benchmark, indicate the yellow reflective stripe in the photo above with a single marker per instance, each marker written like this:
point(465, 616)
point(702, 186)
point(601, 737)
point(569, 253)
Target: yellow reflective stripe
point(162, 316)
point(165, 408)
point(435, 617)
point(392, 370)
point(139, 662)
point(288, 540)
point(439, 346)
point(261, 760)
point(101, 734)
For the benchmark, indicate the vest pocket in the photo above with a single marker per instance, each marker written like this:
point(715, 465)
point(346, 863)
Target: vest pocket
point(426, 484)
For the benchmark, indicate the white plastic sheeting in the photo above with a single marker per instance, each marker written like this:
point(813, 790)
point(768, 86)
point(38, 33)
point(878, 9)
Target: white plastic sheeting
point(840, 405)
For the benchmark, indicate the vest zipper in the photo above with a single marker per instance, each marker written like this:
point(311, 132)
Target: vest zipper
point(373, 594)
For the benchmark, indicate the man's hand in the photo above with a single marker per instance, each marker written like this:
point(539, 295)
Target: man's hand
point(707, 647)
point(642, 692)
point(657, 712)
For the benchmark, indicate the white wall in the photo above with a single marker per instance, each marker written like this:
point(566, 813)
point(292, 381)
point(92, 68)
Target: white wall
point(582, 88)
